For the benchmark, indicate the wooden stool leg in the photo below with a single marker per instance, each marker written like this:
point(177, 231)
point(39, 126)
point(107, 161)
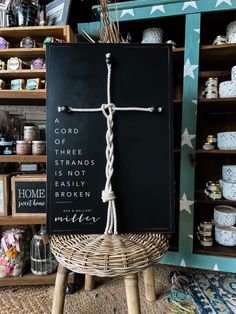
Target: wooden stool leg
point(132, 294)
point(149, 284)
point(60, 290)
point(89, 282)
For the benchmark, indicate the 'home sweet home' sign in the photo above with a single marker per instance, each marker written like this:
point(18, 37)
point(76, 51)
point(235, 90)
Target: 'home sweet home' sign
point(143, 181)
point(28, 195)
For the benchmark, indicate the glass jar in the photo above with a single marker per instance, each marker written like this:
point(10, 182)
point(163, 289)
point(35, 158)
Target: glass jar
point(23, 148)
point(38, 147)
point(30, 133)
point(25, 12)
point(42, 260)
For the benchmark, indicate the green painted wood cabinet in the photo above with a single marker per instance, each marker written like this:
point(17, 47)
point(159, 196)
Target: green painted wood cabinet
point(194, 25)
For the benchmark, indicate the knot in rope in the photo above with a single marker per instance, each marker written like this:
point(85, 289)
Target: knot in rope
point(108, 196)
point(108, 109)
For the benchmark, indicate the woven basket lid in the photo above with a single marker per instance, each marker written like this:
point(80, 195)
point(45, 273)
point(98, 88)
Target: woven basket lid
point(108, 255)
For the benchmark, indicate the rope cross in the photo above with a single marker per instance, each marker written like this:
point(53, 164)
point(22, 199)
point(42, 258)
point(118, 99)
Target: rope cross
point(108, 110)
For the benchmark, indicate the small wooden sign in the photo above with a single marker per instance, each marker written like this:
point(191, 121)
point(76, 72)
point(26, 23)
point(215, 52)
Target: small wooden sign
point(28, 195)
point(4, 194)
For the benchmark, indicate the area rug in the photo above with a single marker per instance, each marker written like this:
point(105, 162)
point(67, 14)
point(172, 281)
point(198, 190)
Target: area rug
point(212, 293)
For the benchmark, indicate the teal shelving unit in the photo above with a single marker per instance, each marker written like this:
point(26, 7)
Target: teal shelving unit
point(193, 55)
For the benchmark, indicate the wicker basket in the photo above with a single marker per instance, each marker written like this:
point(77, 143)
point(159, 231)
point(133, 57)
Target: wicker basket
point(108, 255)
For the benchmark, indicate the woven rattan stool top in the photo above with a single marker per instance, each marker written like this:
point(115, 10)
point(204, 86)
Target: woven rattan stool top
point(108, 255)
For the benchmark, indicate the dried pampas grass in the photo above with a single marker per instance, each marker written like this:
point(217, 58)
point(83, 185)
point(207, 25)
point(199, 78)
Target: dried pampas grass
point(110, 31)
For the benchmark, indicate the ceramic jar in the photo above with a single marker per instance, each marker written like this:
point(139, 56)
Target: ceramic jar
point(227, 89)
point(229, 173)
point(231, 32)
point(233, 73)
point(229, 190)
point(152, 36)
point(226, 140)
point(225, 215)
point(225, 235)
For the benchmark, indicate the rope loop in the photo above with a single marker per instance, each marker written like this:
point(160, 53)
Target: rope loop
point(108, 109)
point(108, 196)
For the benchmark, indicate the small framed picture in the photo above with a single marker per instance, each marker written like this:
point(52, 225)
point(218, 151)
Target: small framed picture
point(57, 12)
point(4, 194)
point(28, 195)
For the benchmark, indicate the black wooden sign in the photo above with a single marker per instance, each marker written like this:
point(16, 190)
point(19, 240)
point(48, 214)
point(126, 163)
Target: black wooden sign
point(28, 195)
point(143, 166)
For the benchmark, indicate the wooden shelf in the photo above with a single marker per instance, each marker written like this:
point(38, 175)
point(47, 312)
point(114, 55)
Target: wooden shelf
point(22, 220)
point(19, 74)
point(23, 158)
point(31, 279)
point(201, 198)
point(23, 53)
point(23, 97)
point(216, 250)
point(28, 279)
point(217, 105)
point(215, 151)
point(213, 53)
point(207, 74)
point(14, 33)
point(218, 100)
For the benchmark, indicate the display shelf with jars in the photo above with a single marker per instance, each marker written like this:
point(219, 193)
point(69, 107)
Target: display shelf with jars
point(215, 185)
point(22, 56)
point(23, 105)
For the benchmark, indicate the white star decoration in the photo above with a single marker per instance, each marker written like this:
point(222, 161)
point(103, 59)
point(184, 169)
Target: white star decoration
point(128, 11)
point(185, 204)
point(183, 264)
point(189, 68)
point(216, 267)
point(194, 101)
point(187, 138)
point(197, 30)
point(190, 4)
point(157, 7)
point(218, 2)
point(190, 236)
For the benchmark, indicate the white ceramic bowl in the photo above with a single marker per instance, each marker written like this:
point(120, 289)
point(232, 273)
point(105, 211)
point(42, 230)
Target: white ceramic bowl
point(227, 89)
point(229, 190)
point(231, 32)
point(225, 235)
point(229, 173)
point(226, 140)
point(152, 36)
point(225, 215)
point(233, 73)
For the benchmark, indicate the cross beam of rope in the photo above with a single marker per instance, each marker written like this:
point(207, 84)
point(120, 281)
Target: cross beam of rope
point(108, 111)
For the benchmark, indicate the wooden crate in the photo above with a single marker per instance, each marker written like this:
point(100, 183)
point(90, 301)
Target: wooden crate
point(28, 195)
point(4, 194)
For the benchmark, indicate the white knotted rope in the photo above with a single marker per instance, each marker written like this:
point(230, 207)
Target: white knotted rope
point(108, 111)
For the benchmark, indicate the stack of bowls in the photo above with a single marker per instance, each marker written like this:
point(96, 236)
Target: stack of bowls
point(225, 219)
point(227, 89)
point(226, 140)
point(229, 182)
point(231, 32)
point(152, 35)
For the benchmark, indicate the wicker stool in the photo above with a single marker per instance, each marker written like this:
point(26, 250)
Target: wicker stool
point(108, 256)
